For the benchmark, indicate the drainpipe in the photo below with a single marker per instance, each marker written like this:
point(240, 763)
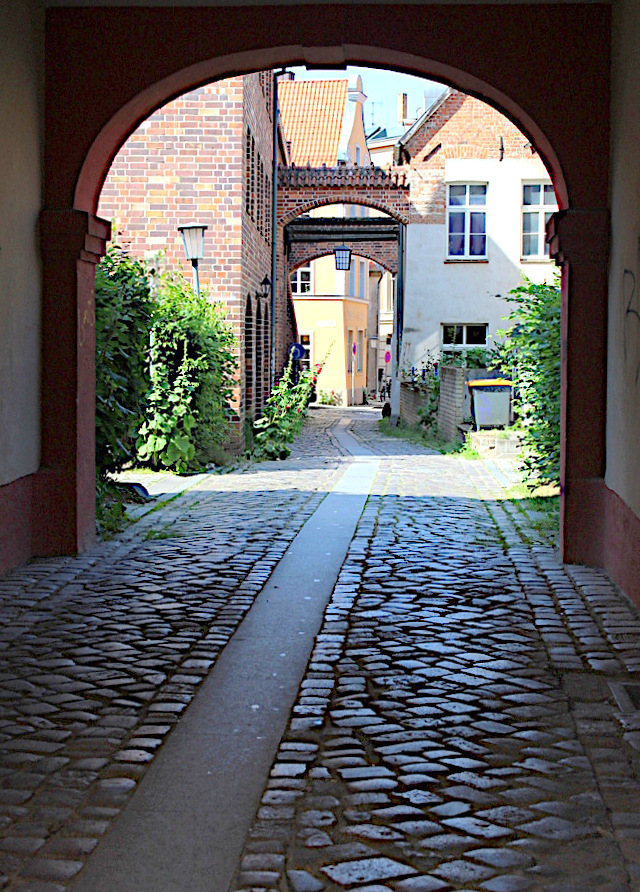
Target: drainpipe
point(400, 294)
point(274, 224)
point(397, 329)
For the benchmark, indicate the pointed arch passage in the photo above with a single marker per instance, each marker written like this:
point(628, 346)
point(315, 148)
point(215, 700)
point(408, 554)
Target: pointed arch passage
point(249, 361)
point(259, 376)
point(266, 352)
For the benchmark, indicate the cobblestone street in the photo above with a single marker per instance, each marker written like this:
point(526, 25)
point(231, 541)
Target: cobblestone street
point(455, 728)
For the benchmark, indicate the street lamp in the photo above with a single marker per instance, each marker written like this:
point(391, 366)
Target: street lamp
point(193, 241)
point(266, 288)
point(343, 257)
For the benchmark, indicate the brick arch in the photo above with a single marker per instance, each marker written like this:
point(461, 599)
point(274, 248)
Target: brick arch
point(383, 253)
point(293, 202)
point(94, 104)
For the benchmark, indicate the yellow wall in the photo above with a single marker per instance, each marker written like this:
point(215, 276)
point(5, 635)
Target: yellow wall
point(328, 321)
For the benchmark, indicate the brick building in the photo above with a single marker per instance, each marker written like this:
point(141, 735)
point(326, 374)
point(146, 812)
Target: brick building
point(479, 199)
point(207, 156)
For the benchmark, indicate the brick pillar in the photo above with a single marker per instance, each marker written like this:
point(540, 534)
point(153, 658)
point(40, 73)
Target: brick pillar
point(64, 486)
point(579, 242)
point(451, 404)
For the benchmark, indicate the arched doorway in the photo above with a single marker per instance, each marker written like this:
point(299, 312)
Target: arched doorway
point(259, 398)
point(249, 361)
point(95, 105)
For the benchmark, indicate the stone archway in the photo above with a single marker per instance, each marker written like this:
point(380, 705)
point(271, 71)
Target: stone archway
point(94, 104)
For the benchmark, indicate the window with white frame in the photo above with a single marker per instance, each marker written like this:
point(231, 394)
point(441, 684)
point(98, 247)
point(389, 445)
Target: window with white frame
point(467, 221)
point(538, 204)
point(301, 280)
point(349, 351)
point(463, 335)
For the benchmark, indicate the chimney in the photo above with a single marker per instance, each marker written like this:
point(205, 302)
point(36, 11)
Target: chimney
point(402, 107)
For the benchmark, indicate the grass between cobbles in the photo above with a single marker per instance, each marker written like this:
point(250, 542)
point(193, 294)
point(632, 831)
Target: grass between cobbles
point(419, 435)
point(541, 506)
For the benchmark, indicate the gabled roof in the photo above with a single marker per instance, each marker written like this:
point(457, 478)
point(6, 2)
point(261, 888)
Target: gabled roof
point(422, 120)
point(312, 113)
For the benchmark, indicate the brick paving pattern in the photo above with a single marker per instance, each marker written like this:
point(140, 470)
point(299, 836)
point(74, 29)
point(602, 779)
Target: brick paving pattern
point(100, 655)
point(455, 728)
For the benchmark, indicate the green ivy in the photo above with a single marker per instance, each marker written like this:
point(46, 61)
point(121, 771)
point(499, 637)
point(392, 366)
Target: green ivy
point(530, 352)
point(123, 321)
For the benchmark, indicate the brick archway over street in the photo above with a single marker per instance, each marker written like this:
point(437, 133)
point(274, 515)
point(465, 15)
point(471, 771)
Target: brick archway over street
point(376, 238)
point(303, 189)
point(93, 104)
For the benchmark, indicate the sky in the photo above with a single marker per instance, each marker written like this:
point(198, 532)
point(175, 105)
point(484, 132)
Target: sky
point(381, 88)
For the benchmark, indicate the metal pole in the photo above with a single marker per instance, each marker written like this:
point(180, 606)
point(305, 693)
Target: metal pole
point(376, 381)
point(400, 293)
point(274, 226)
point(353, 374)
point(196, 277)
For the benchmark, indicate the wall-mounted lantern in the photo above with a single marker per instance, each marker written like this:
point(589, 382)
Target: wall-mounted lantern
point(266, 288)
point(193, 241)
point(343, 257)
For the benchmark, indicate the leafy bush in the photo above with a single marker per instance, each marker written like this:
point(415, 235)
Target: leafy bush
point(165, 370)
point(192, 375)
point(467, 357)
point(165, 436)
point(428, 413)
point(283, 413)
point(123, 321)
point(530, 352)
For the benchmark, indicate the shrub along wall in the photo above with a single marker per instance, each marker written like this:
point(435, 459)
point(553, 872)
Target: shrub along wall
point(165, 370)
point(530, 352)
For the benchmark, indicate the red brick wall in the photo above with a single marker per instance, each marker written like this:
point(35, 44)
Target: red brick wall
point(300, 199)
point(188, 162)
point(256, 177)
point(182, 164)
point(463, 127)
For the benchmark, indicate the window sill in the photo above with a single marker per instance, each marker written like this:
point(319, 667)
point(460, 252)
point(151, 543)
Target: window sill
point(542, 259)
point(466, 260)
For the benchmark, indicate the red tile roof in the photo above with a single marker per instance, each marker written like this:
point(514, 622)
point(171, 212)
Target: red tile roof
point(312, 113)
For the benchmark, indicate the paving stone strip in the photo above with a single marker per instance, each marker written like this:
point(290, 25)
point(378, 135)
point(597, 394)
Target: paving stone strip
point(100, 655)
point(455, 729)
